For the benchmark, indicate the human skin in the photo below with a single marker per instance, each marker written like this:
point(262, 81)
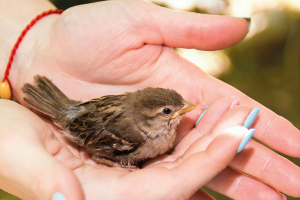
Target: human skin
point(36, 164)
point(117, 46)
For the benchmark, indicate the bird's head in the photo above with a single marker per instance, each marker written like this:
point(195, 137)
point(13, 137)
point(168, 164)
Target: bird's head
point(160, 108)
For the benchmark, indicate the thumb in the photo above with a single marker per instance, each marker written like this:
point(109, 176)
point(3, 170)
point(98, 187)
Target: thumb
point(186, 29)
point(147, 23)
point(30, 154)
point(217, 156)
point(30, 172)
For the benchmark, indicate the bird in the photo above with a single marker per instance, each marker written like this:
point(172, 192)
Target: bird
point(116, 130)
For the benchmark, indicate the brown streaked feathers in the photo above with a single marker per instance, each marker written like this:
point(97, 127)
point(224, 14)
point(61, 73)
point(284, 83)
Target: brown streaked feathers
point(117, 130)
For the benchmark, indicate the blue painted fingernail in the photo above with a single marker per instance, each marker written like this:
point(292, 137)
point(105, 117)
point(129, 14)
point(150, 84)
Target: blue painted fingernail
point(206, 107)
point(58, 196)
point(246, 139)
point(251, 117)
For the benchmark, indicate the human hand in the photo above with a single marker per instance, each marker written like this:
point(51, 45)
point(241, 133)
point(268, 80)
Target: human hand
point(117, 46)
point(36, 165)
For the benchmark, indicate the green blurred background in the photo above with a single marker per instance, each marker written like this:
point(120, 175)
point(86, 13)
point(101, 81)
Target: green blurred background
point(265, 65)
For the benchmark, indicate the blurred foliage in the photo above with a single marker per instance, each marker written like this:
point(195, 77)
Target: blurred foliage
point(6, 196)
point(265, 66)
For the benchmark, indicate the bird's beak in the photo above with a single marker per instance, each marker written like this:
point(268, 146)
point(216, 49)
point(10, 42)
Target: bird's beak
point(186, 108)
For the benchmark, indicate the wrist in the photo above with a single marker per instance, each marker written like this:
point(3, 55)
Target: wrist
point(33, 53)
point(13, 19)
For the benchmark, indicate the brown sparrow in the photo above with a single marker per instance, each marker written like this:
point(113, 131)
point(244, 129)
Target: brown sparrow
point(116, 130)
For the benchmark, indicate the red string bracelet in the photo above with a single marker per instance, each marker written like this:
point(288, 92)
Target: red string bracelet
point(5, 85)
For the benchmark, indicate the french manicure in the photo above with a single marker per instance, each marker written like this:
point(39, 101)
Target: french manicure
point(246, 139)
point(201, 115)
point(251, 117)
point(58, 196)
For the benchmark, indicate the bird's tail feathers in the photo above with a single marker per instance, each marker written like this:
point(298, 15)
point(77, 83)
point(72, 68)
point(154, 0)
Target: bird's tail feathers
point(45, 96)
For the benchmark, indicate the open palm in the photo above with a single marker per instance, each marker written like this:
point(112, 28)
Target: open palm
point(119, 46)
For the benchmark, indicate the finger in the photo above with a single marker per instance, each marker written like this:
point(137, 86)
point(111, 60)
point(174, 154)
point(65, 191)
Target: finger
point(37, 173)
point(201, 195)
point(238, 186)
point(273, 169)
point(185, 29)
point(208, 163)
point(28, 170)
point(255, 159)
point(207, 122)
point(277, 132)
point(212, 118)
point(272, 130)
point(259, 160)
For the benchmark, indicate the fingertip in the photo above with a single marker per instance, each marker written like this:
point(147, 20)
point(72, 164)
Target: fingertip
point(193, 30)
point(241, 133)
point(66, 186)
point(200, 194)
point(220, 30)
point(251, 117)
point(246, 139)
point(248, 19)
point(283, 197)
point(236, 131)
point(51, 179)
point(232, 141)
point(217, 156)
point(58, 196)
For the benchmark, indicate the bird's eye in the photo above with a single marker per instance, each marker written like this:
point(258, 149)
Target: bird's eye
point(167, 111)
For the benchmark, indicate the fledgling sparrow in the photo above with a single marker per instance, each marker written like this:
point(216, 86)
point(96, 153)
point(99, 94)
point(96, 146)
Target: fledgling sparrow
point(116, 130)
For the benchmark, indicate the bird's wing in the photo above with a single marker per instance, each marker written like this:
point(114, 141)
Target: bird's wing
point(107, 127)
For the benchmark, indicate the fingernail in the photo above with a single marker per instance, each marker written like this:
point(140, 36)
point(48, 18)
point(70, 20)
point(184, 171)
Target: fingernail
point(249, 22)
point(206, 107)
point(234, 103)
point(246, 139)
point(58, 196)
point(283, 197)
point(251, 117)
